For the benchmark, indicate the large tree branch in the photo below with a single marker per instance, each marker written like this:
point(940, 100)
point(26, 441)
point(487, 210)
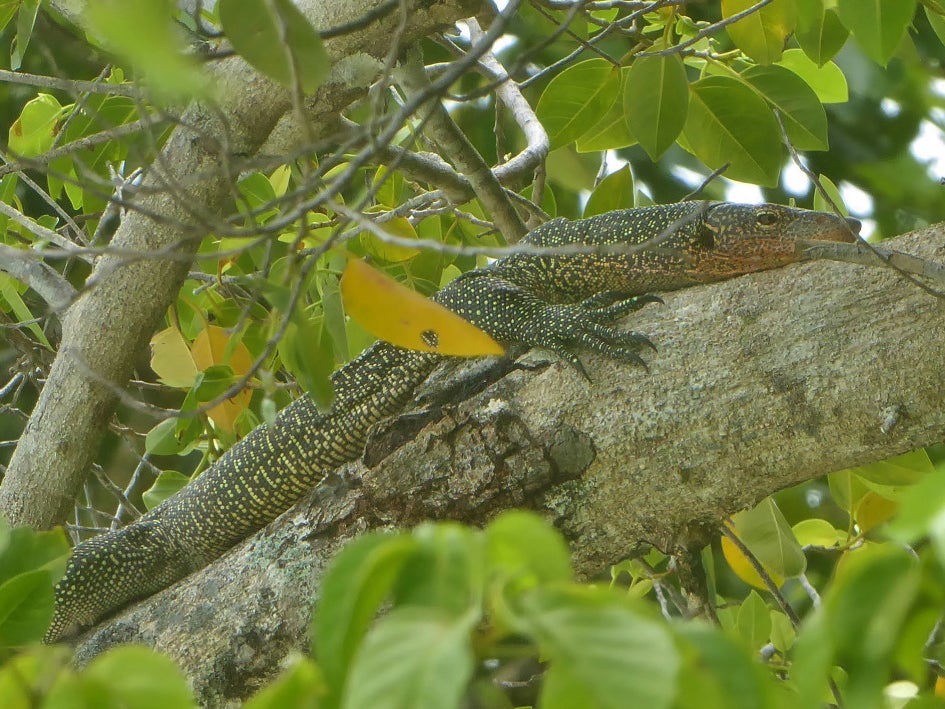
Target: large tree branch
point(106, 328)
point(759, 383)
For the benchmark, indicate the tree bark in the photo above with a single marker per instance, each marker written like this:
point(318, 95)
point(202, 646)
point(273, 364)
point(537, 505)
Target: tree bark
point(106, 328)
point(759, 383)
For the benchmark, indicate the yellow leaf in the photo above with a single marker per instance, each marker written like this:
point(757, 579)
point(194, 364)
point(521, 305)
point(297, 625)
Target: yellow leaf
point(873, 510)
point(387, 250)
point(403, 317)
point(171, 359)
point(209, 349)
point(742, 567)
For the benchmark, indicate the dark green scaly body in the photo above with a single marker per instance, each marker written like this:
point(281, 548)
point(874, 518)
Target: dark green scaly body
point(561, 302)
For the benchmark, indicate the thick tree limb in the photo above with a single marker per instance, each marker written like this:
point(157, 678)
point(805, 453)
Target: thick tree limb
point(108, 326)
point(759, 383)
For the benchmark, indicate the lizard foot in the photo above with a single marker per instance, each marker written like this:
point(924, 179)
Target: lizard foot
point(566, 328)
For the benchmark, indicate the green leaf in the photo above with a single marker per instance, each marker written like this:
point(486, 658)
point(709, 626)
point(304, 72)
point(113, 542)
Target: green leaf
point(719, 669)
point(937, 22)
point(754, 621)
point(8, 291)
point(36, 128)
point(614, 192)
point(576, 99)
point(526, 551)
point(611, 131)
point(277, 40)
point(446, 570)
point(922, 513)
point(730, 123)
point(820, 202)
point(144, 33)
point(762, 34)
point(25, 21)
point(23, 549)
point(168, 483)
point(802, 113)
point(655, 102)
point(26, 607)
point(828, 81)
point(8, 9)
point(902, 470)
point(166, 439)
point(819, 30)
point(768, 536)
point(877, 25)
point(298, 687)
point(413, 657)
point(306, 356)
point(602, 654)
point(817, 532)
point(864, 612)
point(360, 577)
point(136, 676)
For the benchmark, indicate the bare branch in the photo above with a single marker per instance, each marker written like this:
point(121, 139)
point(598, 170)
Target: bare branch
point(28, 268)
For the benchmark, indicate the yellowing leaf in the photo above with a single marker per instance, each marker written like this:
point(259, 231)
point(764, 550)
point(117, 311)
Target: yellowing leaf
point(211, 348)
point(403, 317)
point(739, 563)
point(171, 359)
point(873, 510)
point(767, 535)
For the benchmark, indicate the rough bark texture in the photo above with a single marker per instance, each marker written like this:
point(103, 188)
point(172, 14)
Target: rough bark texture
point(106, 329)
point(759, 383)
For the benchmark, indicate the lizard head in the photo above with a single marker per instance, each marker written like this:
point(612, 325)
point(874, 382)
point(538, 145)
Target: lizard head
point(108, 572)
point(747, 238)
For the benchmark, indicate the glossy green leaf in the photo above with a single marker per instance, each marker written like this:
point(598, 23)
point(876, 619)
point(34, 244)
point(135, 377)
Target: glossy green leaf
point(762, 34)
point(828, 82)
point(730, 123)
point(277, 40)
point(655, 102)
point(801, 112)
point(601, 653)
point(576, 99)
point(8, 9)
point(413, 657)
point(611, 131)
point(168, 483)
point(614, 192)
point(144, 33)
point(819, 30)
point(360, 577)
point(877, 25)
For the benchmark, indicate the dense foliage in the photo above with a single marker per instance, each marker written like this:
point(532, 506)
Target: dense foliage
point(829, 592)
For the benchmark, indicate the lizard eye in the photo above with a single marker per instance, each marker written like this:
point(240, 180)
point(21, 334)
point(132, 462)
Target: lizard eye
point(766, 217)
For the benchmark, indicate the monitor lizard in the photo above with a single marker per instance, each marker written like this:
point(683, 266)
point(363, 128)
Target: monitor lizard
point(592, 272)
